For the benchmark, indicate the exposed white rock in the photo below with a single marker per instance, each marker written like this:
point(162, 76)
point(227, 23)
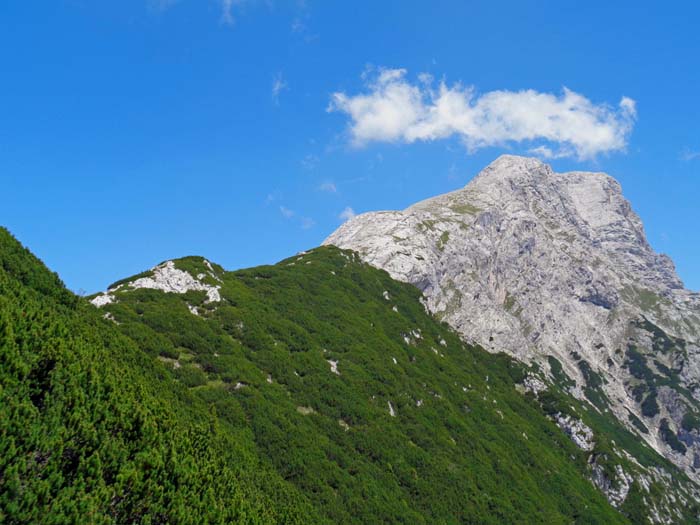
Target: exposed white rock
point(542, 264)
point(580, 433)
point(211, 271)
point(386, 295)
point(617, 489)
point(534, 384)
point(169, 279)
point(102, 299)
point(334, 366)
point(392, 412)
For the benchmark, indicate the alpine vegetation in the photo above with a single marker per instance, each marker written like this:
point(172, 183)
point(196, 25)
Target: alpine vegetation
point(555, 270)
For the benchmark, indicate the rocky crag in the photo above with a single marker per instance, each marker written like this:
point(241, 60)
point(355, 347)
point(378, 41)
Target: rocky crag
point(555, 269)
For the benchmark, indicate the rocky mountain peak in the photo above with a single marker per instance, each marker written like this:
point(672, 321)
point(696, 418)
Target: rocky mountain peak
point(514, 167)
point(551, 268)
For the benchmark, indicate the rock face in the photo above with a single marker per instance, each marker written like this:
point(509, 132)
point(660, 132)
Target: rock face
point(555, 269)
point(167, 278)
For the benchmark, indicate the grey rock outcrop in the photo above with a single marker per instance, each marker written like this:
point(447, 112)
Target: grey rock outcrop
point(555, 269)
point(167, 278)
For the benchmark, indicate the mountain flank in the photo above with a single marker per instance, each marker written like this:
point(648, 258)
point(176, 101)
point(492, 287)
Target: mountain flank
point(555, 270)
point(324, 390)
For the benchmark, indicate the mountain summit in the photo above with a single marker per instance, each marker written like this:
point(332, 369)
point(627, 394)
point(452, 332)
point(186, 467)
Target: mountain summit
point(555, 269)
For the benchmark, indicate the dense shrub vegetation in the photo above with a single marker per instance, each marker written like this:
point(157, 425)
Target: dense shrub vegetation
point(236, 416)
point(463, 447)
point(92, 430)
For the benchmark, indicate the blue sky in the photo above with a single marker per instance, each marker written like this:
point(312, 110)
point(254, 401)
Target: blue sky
point(136, 131)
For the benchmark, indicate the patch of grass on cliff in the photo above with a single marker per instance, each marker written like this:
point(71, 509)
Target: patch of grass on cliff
point(465, 209)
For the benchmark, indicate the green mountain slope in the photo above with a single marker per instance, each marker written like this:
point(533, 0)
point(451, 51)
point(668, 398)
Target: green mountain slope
point(315, 390)
point(92, 430)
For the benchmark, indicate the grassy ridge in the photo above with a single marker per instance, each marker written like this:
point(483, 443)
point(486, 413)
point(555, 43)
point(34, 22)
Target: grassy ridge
point(95, 431)
point(463, 446)
point(236, 415)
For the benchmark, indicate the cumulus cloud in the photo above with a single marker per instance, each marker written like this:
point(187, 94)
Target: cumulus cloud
point(347, 214)
point(393, 109)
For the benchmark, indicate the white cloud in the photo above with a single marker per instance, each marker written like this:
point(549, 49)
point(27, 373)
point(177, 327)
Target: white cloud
point(395, 110)
point(278, 85)
point(347, 214)
point(307, 223)
point(286, 212)
point(688, 155)
point(328, 187)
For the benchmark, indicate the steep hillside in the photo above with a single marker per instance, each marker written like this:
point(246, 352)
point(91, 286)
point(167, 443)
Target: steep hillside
point(555, 269)
point(377, 412)
point(93, 430)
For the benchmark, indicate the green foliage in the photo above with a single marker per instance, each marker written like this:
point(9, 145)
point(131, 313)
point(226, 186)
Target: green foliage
point(691, 421)
point(442, 241)
point(636, 363)
point(235, 416)
point(669, 436)
point(650, 407)
point(464, 446)
point(633, 506)
point(593, 383)
point(94, 430)
point(558, 373)
point(649, 381)
point(465, 209)
point(19, 262)
point(637, 422)
point(662, 342)
point(191, 375)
